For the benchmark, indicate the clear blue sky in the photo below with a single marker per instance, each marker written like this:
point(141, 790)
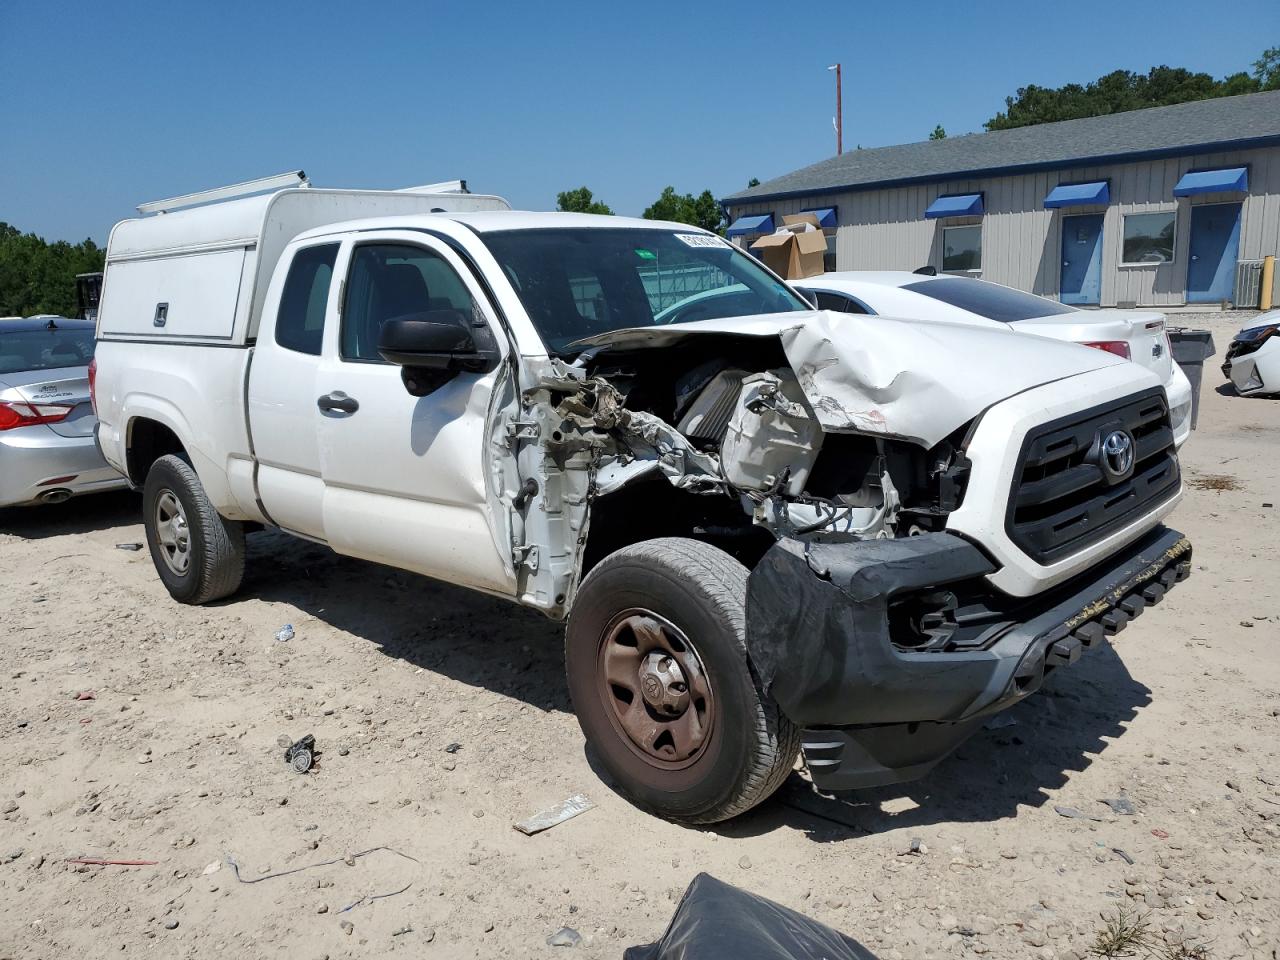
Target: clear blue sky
point(107, 104)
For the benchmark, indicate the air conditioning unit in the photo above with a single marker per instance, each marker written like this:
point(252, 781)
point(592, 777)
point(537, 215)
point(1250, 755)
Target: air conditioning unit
point(1248, 289)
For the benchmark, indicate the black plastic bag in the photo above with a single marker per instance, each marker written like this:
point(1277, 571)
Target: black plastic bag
point(715, 921)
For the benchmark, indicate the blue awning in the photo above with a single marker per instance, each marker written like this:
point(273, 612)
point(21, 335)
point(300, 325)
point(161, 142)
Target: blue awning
point(1078, 194)
point(763, 223)
point(961, 205)
point(1231, 180)
point(826, 217)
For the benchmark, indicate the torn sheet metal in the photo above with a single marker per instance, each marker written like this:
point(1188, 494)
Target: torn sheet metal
point(566, 810)
point(914, 379)
point(919, 380)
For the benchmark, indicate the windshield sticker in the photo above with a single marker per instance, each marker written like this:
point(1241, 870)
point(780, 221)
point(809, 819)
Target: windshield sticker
point(700, 240)
point(646, 254)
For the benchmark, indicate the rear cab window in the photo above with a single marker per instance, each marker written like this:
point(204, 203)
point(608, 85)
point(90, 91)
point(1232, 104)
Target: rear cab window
point(45, 349)
point(990, 300)
point(300, 320)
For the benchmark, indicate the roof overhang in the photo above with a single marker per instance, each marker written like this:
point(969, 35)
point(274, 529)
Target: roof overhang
point(762, 223)
point(955, 205)
point(1224, 180)
point(1078, 194)
point(1136, 156)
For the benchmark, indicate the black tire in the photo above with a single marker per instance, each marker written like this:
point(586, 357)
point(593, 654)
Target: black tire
point(215, 551)
point(701, 590)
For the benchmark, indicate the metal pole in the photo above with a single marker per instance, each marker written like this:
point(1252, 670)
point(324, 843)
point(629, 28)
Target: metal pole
point(839, 116)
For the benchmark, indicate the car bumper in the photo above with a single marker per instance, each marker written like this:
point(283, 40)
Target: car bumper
point(821, 632)
point(37, 464)
point(1177, 390)
point(1245, 374)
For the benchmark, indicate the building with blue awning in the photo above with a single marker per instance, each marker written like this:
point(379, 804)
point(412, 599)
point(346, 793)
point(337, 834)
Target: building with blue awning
point(1156, 207)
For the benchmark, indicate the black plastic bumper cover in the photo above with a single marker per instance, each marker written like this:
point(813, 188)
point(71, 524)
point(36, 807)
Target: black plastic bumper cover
point(818, 636)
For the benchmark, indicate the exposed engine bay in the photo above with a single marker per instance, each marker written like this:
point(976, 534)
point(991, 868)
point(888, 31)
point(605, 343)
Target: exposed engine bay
point(725, 427)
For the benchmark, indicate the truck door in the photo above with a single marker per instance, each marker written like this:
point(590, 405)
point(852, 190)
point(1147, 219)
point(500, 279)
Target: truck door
point(405, 477)
point(283, 417)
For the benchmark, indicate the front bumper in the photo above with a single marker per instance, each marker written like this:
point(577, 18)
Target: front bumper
point(819, 635)
point(33, 461)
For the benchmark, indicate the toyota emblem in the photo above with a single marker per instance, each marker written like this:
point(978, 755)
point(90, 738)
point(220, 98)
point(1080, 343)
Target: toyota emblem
point(1117, 453)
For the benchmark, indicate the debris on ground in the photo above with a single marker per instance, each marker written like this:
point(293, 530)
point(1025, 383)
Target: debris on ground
point(299, 754)
point(86, 695)
point(1121, 805)
point(453, 748)
point(1074, 814)
point(716, 920)
point(565, 810)
point(97, 862)
point(285, 633)
point(564, 937)
point(917, 849)
point(1161, 834)
point(129, 546)
point(1122, 855)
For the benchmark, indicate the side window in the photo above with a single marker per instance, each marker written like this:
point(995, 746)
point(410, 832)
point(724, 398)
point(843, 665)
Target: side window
point(831, 301)
point(388, 281)
point(300, 322)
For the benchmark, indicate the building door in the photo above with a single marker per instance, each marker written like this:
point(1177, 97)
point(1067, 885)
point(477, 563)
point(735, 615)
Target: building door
point(1082, 259)
point(1215, 240)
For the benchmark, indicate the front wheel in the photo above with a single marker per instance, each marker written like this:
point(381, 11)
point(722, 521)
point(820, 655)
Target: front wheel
point(657, 667)
point(198, 554)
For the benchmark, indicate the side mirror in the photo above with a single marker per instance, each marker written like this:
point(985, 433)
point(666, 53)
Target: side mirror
point(434, 340)
point(432, 347)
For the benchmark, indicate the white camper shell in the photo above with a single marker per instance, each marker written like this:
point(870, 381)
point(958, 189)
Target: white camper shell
point(200, 275)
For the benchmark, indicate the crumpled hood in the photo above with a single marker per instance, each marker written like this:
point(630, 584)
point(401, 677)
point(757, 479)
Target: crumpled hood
point(915, 379)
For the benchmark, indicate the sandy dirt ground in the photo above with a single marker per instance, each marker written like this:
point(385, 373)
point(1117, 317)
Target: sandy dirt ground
point(175, 760)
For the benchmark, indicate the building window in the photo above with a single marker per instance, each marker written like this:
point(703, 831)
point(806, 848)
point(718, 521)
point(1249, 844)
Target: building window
point(1148, 237)
point(829, 258)
point(962, 248)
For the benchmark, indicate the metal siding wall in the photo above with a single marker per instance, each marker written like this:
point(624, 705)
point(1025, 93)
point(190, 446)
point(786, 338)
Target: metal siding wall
point(1022, 241)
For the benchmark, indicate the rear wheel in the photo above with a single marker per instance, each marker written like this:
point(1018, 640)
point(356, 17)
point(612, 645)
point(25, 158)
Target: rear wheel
point(657, 667)
point(198, 554)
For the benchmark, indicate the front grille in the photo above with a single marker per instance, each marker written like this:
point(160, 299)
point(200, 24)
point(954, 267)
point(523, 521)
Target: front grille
point(1067, 493)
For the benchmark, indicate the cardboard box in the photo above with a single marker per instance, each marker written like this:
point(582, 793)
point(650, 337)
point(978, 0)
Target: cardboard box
point(797, 250)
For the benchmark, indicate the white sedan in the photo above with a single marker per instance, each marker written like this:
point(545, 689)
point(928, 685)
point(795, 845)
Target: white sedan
point(1253, 359)
point(1136, 335)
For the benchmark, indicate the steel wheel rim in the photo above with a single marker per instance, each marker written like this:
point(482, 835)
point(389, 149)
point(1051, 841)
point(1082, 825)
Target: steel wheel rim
point(173, 535)
point(665, 727)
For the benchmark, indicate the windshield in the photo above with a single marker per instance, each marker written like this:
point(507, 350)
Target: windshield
point(990, 300)
point(577, 282)
point(22, 350)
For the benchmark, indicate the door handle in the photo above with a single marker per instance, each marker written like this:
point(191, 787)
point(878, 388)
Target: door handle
point(1194, 257)
point(338, 402)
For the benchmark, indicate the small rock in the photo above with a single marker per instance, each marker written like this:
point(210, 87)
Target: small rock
point(1121, 805)
point(1246, 623)
point(171, 924)
point(488, 927)
point(1229, 894)
point(1231, 784)
point(449, 764)
point(343, 751)
point(322, 908)
point(745, 863)
point(428, 934)
point(346, 926)
point(144, 757)
point(564, 937)
point(1204, 913)
point(1009, 854)
point(453, 748)
point(477, 813)
point(13, 854)
point(1036, 938)
point(212, 868)
point(10, 806)
point(401, 931)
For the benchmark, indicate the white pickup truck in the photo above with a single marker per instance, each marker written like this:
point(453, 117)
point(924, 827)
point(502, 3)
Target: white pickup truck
point(770, 528)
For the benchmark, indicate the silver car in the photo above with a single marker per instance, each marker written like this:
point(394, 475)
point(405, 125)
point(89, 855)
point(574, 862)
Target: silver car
point(47, 449)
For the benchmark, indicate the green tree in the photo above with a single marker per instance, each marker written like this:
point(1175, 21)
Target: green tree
point(40, 277)
point(1123, 90)
point(1266, 69)
point(938, 133)
point(753, 182)
point(701, 211)
point(580, 201)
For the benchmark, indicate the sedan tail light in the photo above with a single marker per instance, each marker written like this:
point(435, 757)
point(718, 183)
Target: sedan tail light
point(14, 414)
point(1119, 347)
